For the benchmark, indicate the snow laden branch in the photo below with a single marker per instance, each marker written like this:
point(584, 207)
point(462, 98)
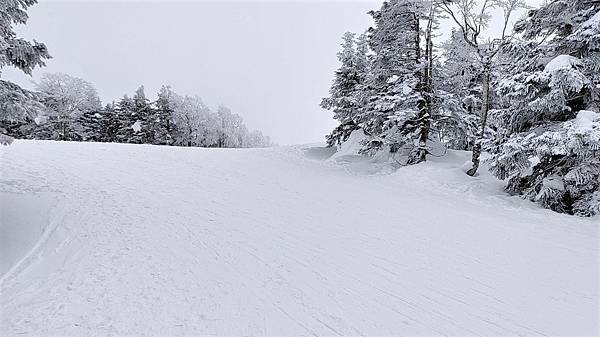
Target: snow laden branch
point(472, 17)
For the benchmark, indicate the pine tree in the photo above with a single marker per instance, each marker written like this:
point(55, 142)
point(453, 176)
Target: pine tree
point(91, 123)
point(458, 94)
point(394, 111)
point(110, 124)
point(14, 51)
point(164, 126)
point(549, 145)
point(346, 99)
point(143, 126)
point(18, 109)
point(125, 120)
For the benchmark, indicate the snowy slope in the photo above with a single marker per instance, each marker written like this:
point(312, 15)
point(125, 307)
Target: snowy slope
point(165, 241)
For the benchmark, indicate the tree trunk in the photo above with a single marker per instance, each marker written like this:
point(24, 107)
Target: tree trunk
point(427, 93)
point(484, 114)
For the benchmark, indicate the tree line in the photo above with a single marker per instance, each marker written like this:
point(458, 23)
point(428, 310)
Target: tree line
point(68, 108)
point(63, 107)
point(528, 98)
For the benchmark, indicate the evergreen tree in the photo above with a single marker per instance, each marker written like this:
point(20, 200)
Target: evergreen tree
point(145, 118)
point(19, 110)
point(346, 99)
point(395, 101)
point(14, 51)
point(126, 120)
point(164, 126)
point(110, 124)
point(549, 145)
point(91, 123)
point(458, 94)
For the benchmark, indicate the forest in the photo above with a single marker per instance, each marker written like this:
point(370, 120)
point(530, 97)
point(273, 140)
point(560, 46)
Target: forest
point(525, 102)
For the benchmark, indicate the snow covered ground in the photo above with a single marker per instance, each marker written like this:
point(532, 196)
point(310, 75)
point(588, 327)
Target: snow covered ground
point(164, 241)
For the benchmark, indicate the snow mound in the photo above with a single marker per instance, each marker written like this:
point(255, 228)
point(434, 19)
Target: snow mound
point(137, 126)
point(586, 121)
point(352, 146)
point(562, 61)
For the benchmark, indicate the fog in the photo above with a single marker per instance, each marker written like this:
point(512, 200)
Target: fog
point(270, 62)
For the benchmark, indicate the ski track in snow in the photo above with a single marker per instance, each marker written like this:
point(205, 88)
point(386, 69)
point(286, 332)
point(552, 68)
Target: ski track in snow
point(165, 241)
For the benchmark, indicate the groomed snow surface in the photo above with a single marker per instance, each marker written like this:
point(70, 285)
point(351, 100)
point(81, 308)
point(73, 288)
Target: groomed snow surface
point(123, 240)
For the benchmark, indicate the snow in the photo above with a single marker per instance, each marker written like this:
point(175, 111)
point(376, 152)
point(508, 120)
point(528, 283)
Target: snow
point(5, 140)
point(585, 120)
point(167, 241)
point(393, 79)
point(562, 61)
point(352, 146)
point(591, 27)
point(554, 182)
point(137, 126)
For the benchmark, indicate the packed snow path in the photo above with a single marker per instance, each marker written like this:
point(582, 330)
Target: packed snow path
point(164, 241)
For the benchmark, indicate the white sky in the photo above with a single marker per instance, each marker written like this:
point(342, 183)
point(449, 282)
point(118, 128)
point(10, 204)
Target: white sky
point(269, 61)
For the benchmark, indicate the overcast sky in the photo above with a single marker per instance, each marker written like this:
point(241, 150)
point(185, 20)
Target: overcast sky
point(269, 61)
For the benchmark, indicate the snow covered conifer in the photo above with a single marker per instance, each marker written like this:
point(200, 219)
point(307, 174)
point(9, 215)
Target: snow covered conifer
point(19, 110)
point(145, 122)
point(549, 147)
point(391, 116)
point(15, 51)
point(164, 126)
point(91, 123)
point(346, 99)
point(126, 119)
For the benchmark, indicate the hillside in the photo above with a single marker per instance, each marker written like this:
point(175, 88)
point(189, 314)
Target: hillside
point(108, 239)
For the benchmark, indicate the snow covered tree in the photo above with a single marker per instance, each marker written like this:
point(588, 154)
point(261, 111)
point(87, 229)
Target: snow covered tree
point(19, 110)
point(66, 98)
point(461, 74)
point(391, 115)
point(257, 139)
point(110, 123)
point(549, 144)
point(189, 113)
point(15, 51)
point(92, 123)
point(163, 126)
point(472, 18)
point(458, 94)
point(346, 94)
point(385, 85)
point(126, 120)
point(145, 116)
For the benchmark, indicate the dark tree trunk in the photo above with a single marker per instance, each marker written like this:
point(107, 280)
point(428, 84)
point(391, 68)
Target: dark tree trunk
point(425, 106)
point(484, 114)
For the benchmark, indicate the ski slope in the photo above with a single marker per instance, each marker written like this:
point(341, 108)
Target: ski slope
point(123, 240)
